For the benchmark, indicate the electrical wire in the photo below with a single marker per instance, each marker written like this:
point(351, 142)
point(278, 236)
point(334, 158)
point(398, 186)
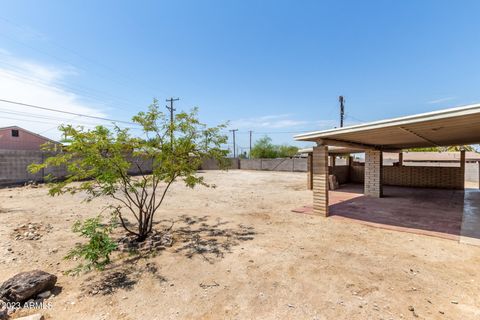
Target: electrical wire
point(65, 112)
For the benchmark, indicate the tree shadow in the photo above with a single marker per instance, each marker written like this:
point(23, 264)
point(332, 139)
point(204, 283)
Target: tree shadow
point(211, 241)
point(111, 282)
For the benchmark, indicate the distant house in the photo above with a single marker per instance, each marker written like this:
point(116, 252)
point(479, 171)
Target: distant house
point(16, 138)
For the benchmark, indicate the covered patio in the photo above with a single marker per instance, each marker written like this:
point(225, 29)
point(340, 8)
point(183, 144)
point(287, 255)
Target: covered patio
point(426, 200)
point(443, 213)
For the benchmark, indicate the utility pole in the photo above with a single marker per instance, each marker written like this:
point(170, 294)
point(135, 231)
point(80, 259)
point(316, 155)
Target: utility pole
point(342, 110)
point(250, 152)
point(234, 146)
point(171, 109)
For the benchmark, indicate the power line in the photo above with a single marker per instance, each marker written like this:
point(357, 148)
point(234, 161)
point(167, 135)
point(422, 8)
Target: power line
point(57, 123)
point(354, 118)
point(17, 73)
point(126, 77)
point(65, 112)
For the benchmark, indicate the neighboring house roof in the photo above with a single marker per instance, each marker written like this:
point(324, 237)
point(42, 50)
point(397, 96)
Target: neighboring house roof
point(30, 132)
point(455, 126)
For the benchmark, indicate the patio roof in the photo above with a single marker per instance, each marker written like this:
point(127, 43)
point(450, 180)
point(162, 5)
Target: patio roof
point(455, 126)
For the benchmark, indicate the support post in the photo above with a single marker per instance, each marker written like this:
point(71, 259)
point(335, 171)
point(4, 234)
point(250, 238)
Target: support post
point(320, 180)
point(332, 161)
point(309, 171)
point(462, 167)
point(373, 173)
point(400, 159)
point(349, 163)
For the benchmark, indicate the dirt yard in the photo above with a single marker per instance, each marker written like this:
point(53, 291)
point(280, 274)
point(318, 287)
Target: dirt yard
point(240, 253)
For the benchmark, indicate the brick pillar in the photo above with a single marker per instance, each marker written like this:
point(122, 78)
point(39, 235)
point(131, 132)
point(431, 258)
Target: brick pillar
point(400, 159)
point(462, 167)
point(320, 180)
point(373, 173)
point(309, 171)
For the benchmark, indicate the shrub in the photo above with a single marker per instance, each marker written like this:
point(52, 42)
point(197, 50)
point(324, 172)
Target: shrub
point(98, 248)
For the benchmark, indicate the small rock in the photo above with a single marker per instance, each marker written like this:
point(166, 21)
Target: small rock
point(45, 294)
point(36, 316)
point(3, 311)
point(454, 302)
point(411, 308)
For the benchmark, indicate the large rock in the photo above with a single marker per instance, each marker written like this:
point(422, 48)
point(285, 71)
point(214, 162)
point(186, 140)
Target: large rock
point(26, 285)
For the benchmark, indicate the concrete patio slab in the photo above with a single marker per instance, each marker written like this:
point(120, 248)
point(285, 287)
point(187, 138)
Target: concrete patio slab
point(450, 214)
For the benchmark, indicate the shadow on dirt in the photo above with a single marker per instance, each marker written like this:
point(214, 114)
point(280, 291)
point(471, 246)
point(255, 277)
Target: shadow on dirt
point(209, 240)
point(191, 236)
point(111, 282)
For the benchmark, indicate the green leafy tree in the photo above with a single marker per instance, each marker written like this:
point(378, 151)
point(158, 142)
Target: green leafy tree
point(98, 162)
point(285, 151)
point(264, 148)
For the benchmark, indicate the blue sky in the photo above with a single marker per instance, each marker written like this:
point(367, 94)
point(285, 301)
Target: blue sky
point(269, 66)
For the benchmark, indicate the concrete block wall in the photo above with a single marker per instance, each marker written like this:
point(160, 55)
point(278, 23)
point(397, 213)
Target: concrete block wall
point(472, 171)
point(341, 172)
point(14, 163)
point(408, 176)
point(283, 164)
point(140, 165)
point(14, 166)
point(427, 177)
point(300, 164)
point(211, 164)
point(357, 173)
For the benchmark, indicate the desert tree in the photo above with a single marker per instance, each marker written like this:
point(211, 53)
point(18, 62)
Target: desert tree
point(98, 162)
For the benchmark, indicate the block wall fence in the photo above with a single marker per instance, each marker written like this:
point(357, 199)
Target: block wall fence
point(14, 163)
point(426, 177)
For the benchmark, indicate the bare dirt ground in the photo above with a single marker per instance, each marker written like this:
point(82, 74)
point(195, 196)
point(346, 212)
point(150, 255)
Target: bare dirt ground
point(240, 253)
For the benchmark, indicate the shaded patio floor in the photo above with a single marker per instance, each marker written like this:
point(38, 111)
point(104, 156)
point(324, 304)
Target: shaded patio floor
point(451, 214)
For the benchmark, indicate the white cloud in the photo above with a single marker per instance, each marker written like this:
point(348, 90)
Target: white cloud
point(268, 121)
point(35, 83)
point(281, 121)
point(441, 100)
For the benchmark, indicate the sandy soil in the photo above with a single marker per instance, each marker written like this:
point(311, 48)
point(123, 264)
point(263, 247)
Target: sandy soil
point(267, 262)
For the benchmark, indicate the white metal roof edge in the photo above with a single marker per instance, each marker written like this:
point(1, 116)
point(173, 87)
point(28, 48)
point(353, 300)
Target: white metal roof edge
point(433, 115)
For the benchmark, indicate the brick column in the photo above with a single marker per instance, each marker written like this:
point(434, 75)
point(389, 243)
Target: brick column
point(462, 167)
point(320, 180)
point(309, 171)
point(400, 159)
point(373, 173)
